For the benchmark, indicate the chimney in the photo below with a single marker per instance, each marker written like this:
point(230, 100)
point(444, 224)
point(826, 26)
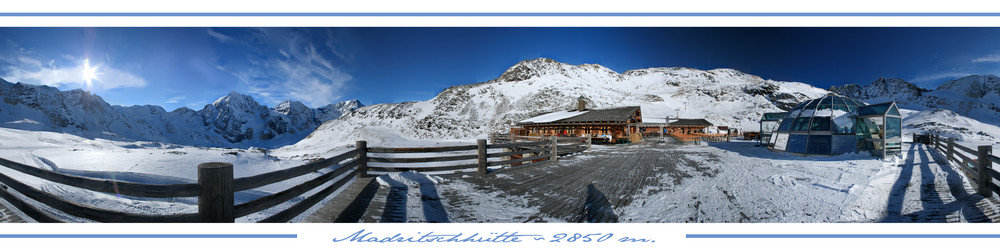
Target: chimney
point(581, 104)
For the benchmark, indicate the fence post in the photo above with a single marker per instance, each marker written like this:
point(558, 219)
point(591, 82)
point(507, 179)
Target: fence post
point(951, 148)
point(482, 156)
point(984, 165)
point(588, 141)
point(555, 152)
point(215, 203)
point(362, 147)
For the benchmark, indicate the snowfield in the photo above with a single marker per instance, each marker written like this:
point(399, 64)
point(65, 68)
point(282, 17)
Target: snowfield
point(738, 182)
point(142, 162)
point(756, 185)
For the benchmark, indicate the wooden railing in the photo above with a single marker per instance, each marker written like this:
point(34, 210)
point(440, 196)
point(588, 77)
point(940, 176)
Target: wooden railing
point(471, 156)
point(215, 190)
point(977, 166)
point(697, 138)
point(216, 186)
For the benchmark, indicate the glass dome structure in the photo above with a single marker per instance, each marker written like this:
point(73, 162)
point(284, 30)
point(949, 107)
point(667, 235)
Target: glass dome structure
point(833, 125)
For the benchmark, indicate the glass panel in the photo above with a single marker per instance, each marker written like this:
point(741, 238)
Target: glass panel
point(841, 108)
point(801, 124)
point(808, 112)
point(812, 104)
point(819, 145)
point(785, 124)
point(893, 128)
point(843, 144)
point(820, 123)
point(780, 141)
point(797, 144)
point(825, 103)
point(842, 122)
point(772, 116)
point(801, 105)
point(874, 109)
point(893, 111)
point(768, 127)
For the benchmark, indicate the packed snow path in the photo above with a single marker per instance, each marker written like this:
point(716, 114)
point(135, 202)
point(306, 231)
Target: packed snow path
point(657, 182)
point(926, 191)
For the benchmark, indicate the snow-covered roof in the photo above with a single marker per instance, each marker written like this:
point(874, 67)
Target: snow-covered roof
point(554, 116)
point(691, 122)
point(615, 114)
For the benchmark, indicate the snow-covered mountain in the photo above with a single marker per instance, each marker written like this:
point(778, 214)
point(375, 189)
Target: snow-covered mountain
point(234, 120)
point(533, 87)
point(967, 108)
point(975, 96)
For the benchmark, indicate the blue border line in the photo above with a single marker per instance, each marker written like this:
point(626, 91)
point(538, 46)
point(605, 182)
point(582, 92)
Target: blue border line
point(499, 14)
point(843, 236)
point(149, 236)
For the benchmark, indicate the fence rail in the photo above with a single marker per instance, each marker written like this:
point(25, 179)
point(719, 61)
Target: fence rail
point(977, 165)
point(216, 187)
point(215, 191)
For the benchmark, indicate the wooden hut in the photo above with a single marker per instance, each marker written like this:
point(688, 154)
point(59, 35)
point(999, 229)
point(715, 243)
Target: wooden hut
point(615, 124)
point(688, 126)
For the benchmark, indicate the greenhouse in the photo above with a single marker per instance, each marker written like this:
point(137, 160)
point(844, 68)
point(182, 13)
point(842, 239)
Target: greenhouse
point(768, 124)
point(834, 125)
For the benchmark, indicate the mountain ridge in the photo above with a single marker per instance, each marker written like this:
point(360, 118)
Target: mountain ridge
point(537, 86)
point(234, 120)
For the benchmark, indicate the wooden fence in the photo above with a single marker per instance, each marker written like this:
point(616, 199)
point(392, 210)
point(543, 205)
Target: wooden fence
point(514, 153)
point(215, 190)
point(216, 186)
point(697, 138)
point(977, 166)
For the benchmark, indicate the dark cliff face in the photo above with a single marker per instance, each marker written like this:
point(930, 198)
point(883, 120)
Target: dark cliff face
point(882, 87)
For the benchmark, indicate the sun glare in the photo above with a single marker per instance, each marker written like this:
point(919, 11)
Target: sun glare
point(89, 74)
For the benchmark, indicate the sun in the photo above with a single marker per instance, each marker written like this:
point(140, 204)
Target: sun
point(89, 74)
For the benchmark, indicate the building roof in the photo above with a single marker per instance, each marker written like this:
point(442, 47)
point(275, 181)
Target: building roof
point(888, 108)
point(773, 116)
point(615, 114)
point(691, 122)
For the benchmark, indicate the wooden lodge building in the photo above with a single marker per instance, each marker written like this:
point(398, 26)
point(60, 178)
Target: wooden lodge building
point(614, 125)
point(679, 126)
point(688, 126)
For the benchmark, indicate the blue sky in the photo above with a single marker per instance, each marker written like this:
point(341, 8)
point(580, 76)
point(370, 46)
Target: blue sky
point(178, 67)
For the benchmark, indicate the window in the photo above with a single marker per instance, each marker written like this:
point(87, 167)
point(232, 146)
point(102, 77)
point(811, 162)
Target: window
point(893, 111)
point(843, 124)
point(780, 141)
point(797, 144)
point(818, 145)
point(825, 103)
point(843, 144)
point(892, 127)
point(785, 124)
point(812, 104)
point(801, 124)
point(820, 124)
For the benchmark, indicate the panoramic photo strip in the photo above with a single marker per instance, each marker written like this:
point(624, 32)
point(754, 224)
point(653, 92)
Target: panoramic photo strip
point(499, 125)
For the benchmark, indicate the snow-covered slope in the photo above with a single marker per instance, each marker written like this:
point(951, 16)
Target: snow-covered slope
point(967, 108)
point(534, 87)
point(972, 96)
point(235, 120)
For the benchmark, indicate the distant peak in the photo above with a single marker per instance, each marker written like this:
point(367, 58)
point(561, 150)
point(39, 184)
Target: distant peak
point(540, 60)
point(234, 97)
